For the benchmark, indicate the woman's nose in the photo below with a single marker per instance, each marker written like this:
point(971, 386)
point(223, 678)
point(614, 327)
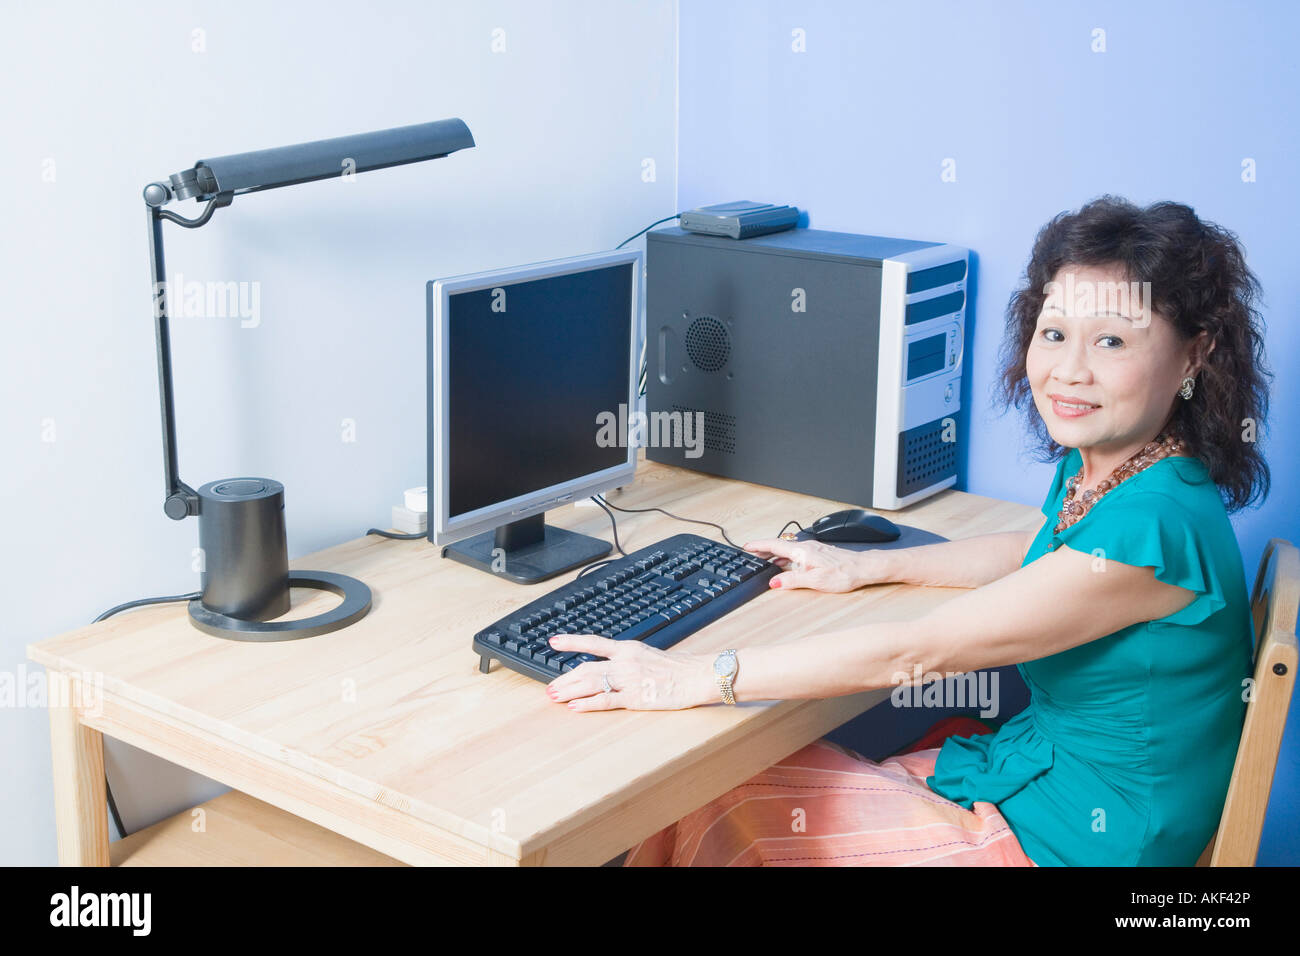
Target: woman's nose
point(1072, 365)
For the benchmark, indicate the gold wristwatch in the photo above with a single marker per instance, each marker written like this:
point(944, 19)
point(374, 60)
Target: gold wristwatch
point(725, 669)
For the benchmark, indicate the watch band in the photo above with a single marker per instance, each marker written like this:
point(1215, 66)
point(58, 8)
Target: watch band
point(725, 680)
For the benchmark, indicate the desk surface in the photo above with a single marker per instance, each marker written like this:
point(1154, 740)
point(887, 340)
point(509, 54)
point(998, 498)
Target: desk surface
point(388, 733)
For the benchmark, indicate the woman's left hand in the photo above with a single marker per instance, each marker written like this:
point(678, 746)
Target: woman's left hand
point(640, 677)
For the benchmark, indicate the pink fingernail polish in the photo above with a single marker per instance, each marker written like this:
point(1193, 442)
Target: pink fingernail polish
point(570, 705)
point(774, 583)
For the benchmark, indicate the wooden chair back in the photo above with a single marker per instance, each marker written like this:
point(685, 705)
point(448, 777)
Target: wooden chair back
point(1273, 607)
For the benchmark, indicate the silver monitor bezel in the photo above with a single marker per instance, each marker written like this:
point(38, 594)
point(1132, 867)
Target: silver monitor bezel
point(443, 528)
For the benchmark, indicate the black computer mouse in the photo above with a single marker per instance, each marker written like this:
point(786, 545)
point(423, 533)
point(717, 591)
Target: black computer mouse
point(855, 525)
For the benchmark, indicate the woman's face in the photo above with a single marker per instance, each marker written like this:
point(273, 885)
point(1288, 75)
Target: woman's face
point(1104, 368)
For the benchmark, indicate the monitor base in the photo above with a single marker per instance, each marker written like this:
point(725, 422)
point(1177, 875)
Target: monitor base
point(527, 551)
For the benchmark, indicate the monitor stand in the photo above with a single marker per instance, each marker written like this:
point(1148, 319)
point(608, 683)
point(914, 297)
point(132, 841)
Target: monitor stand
point(527, 551)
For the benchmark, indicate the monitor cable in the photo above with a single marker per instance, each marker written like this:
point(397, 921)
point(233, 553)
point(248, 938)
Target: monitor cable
point(613, 524)
point(600, 499)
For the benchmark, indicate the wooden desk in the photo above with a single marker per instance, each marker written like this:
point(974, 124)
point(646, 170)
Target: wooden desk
point(386, 732)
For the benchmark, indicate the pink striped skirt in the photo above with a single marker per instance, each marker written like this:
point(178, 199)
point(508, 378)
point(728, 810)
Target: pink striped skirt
point(828, 806)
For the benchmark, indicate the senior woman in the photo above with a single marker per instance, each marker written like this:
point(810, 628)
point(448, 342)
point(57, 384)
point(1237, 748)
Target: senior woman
point(1126, 611)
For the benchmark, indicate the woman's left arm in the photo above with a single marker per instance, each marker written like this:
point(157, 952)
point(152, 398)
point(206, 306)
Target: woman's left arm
point(1059, 601)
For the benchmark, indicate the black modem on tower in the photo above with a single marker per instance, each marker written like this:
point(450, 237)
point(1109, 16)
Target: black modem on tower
point(740, 220)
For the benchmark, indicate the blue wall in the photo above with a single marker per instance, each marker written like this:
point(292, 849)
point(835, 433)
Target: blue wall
point(856, 128)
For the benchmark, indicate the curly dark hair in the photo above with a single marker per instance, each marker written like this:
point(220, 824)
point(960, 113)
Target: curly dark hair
point(1199, 281)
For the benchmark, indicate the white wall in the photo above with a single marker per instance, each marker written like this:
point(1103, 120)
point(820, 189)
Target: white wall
point(112, 98)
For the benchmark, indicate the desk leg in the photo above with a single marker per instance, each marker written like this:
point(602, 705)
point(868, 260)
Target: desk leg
point(80, 811)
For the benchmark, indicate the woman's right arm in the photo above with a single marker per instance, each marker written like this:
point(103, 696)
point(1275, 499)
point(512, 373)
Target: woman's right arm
point(964, 563)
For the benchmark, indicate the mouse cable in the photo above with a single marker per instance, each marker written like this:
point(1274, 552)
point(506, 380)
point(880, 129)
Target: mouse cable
point(395, 535)
point(665, 219)
point(711, 524)
point(787, 524)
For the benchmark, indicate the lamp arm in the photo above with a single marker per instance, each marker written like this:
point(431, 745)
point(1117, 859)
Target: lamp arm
point(182, 500)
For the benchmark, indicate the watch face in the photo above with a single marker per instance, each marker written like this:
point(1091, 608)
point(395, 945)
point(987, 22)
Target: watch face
point(725, 665)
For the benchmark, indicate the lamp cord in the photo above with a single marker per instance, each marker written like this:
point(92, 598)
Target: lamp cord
point(397, 535)
point(143, 601)
point(108, 787)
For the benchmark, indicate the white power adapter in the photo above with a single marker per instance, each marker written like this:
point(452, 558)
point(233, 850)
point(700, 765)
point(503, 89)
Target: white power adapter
point(413, 516)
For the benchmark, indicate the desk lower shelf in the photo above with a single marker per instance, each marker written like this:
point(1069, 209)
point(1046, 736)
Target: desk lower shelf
point(241, 831)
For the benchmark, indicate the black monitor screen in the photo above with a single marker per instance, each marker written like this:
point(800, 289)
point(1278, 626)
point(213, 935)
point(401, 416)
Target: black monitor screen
point(530, 367)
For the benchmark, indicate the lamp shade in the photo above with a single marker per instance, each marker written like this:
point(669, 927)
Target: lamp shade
point(324, 159)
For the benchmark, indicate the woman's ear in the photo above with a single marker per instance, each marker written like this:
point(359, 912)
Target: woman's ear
point(1202, 346)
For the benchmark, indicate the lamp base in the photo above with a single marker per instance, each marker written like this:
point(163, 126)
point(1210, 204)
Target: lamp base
point(355, 606)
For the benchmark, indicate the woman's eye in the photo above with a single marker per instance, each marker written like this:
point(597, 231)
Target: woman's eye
point(1053, 335)
point(1110, 338)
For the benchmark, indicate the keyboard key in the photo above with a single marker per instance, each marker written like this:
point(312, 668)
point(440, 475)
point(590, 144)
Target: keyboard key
point(642, 629)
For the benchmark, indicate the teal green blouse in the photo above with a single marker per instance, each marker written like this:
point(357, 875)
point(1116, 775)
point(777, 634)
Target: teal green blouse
point(1124, 753)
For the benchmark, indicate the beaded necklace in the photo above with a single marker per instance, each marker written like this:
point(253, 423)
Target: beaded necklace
point(1071, 511)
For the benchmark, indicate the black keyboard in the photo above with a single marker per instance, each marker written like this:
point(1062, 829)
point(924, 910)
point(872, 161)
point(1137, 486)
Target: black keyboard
point(659, 595)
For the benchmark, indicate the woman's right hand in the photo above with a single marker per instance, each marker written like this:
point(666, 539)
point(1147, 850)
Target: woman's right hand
point(819, 566)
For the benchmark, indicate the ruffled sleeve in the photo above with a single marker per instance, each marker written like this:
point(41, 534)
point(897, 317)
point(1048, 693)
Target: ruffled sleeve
point(1151, 529)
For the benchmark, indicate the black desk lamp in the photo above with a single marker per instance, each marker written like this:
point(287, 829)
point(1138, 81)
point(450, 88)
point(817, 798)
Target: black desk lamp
point(246, 576)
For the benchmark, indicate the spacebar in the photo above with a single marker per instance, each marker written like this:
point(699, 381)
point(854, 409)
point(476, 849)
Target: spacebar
point(639, 632)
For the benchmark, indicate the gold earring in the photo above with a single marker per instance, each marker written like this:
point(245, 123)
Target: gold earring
point(1185, 391)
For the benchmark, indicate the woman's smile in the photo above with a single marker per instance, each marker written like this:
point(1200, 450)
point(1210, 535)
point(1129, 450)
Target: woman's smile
point(1067, 406)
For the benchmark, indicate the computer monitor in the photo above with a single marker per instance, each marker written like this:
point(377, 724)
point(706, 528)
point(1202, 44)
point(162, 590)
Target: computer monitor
point(526, 367)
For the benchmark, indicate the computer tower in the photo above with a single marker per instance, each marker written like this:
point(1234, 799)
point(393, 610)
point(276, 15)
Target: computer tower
point(825, 363)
